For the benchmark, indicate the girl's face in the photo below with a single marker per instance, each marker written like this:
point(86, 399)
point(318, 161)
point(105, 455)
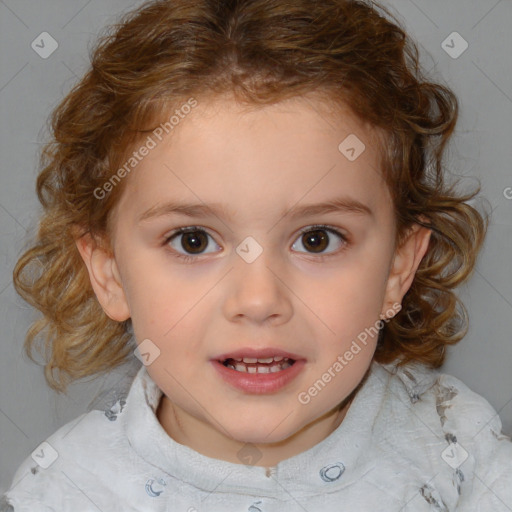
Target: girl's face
point(255, 272)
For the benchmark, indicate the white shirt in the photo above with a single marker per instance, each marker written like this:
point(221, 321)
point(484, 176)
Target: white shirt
point(413, 440)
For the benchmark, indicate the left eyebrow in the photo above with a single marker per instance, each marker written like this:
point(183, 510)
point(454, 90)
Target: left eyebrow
point(336, 205)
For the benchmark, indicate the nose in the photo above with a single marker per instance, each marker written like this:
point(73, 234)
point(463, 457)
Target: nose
point(258, 291)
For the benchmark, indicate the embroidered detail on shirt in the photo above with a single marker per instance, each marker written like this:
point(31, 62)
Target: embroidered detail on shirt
point(155, 489)
point(117, 408)
point(500, 436)
point(409, 375)
point(443, 397)
point(254, 508)
point(332, 472)
point(432, 497)
point(152, 392)
point(411, 385)
point(450, 437)
point(458, 478)
point(454, 454)
point(270, 471)
point(416, 378)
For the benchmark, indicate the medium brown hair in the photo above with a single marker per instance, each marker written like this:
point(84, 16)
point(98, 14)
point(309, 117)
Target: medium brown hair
point(263, 51)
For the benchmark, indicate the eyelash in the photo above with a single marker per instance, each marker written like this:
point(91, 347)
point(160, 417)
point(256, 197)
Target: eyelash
point(190, 229)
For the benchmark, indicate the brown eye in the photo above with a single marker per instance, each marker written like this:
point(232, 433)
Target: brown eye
point(191, 240)
point(316, 239)
point(194, 241)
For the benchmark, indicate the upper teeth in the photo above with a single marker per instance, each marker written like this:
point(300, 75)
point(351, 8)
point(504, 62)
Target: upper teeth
point(252, 365)
point(259, 360)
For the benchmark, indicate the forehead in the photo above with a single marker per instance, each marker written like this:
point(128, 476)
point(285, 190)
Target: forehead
point(254, 157)
point(312, 115)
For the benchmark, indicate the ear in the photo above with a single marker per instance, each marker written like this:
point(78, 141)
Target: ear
point(406, 261)
point(105, 278)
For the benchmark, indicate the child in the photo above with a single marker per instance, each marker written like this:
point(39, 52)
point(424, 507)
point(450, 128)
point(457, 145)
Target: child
point(291, 360)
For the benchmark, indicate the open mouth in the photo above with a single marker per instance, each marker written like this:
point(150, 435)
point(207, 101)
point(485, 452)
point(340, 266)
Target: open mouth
point(253, 365)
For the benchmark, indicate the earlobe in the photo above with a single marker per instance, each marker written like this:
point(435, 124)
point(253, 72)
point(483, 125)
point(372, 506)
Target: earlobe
point(105, 278)
point(406, 261)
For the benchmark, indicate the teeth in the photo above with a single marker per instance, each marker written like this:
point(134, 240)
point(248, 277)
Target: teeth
point(261, 360)
point(240, 367)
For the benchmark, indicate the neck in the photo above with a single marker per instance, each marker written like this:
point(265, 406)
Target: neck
point(201, 437)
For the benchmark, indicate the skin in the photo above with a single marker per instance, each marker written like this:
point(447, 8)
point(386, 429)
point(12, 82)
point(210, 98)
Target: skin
point(259, 163)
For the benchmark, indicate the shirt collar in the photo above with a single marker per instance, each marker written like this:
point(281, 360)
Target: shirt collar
point(325, 467)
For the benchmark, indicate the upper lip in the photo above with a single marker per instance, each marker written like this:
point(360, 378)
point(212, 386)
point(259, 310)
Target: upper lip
point(262, 353)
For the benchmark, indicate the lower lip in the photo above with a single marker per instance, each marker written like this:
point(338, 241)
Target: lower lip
point(259, 383)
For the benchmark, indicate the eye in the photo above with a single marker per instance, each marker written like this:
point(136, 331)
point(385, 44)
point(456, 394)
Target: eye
point(316, 239)
point(194, 241)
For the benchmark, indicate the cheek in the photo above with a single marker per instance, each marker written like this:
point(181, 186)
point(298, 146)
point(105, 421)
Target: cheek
point(356, 286)
point(369, 267)
point(348, 296)
point(171, 313)
point(159, 290)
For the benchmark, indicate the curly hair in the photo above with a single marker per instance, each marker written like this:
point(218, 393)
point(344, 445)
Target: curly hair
point(353, 53)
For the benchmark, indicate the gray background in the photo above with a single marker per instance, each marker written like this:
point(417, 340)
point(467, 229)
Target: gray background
point(30, 87)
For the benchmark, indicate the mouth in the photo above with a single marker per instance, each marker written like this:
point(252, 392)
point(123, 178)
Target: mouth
point(259, 371)
point(272, 364)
